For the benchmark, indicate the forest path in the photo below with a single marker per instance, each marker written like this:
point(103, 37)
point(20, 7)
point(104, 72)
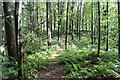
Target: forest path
point(53, 72)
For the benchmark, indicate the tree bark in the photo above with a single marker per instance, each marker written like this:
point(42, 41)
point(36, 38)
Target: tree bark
point(51, 32)
point(54, 17)
point(77, 20)
point(18, 47)
point(95, 25)
point(98, 27)
point(119, 28)
point(72, 21)
point(61, 19)
point(66, 25)
point(10, 36)
point(37, 9)
point(58, 20)
point(16, 25)
point(1, 38)
point(80, 15)
point(92, 23)
point(107, 29)
point(48, 23)
point(47, 18)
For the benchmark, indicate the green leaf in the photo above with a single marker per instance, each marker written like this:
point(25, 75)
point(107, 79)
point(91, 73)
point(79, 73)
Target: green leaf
point(75, 67)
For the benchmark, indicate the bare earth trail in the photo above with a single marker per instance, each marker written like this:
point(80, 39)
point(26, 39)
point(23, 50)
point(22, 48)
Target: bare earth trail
point(53, 72)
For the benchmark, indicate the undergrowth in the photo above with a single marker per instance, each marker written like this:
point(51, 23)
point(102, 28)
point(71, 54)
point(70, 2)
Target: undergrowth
point(86, 63)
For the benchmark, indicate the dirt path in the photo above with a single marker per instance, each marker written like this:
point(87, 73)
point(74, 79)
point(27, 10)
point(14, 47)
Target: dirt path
point(53, 72)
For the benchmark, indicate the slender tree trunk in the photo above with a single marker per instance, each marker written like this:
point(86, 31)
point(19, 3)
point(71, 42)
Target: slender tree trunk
point(63, 22)
point(54, 16)
point(99, 28)
point(104, 25)
point(16, 24)
point(1, 26)
point(16, 33)
point(72, 21)
point(48, 22)
point(107, 29)
point(1, 38)
point(69, 23)
point(51, 32)
point(47, 18)
point(61, 12)
point(82, 17)
point(86, 23)
point(77, 20)
point(95, 19)
point(21, 55)
point(80, 21)
point(33, 18)
point(119, 28)
point(17, 14)
point(66, 25)
point(58, 20)
point(10, 37)
point(38, 14)
point(92, 23)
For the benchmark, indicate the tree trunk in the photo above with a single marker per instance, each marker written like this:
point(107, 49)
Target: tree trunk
point(92, 23)
point(47, 18)
point(18, 47)
point(58, 20)
point(10, 37)
point(37, 9)
point(48, 23)
point(95, 25)
point(66, 25)
point(107, 29)
point(119, 28)
point(77, 20)
point(51, 32)
point(72, 21)
point(16, 25)
point(80, 15)
point(54, 17)
point(1, 38)
point(98, 28)
point(61, 19)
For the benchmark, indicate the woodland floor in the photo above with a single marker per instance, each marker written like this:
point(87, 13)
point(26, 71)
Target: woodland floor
point(53, 71)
